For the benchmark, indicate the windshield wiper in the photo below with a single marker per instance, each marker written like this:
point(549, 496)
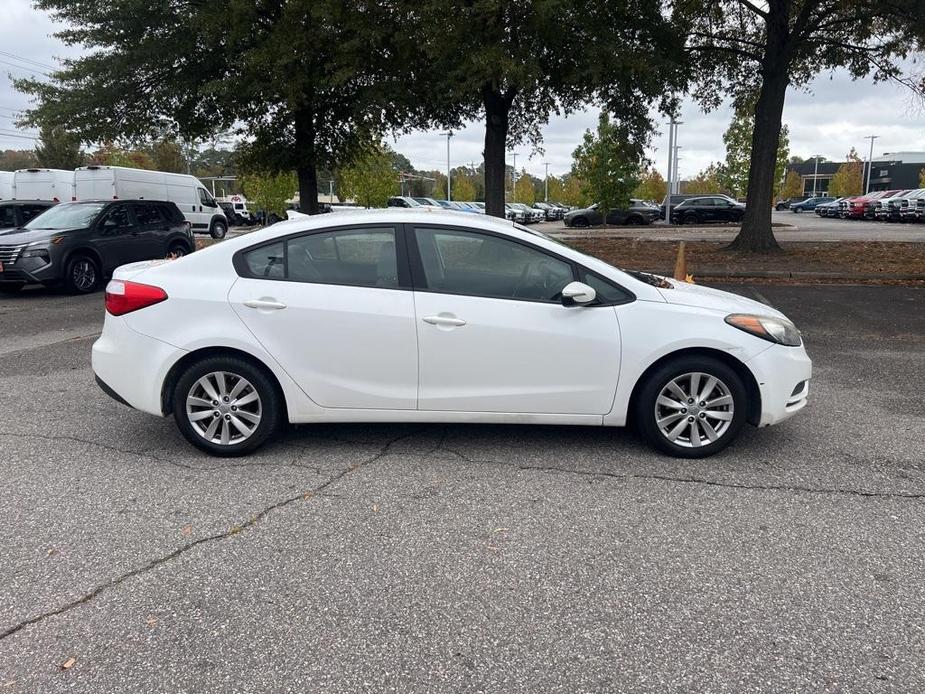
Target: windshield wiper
point(654, 280)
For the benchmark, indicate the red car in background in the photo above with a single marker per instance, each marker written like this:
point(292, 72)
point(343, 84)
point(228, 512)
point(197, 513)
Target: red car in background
point(856, 207)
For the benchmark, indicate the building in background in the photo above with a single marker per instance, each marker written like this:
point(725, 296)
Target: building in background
point(890, 171)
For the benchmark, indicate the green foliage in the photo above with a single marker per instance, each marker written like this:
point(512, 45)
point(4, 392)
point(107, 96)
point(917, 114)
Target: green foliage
point(707, 181)
point(371, 180)
point(270, 191)
point(793, 185)
point(168, 156)
point(849, 179)
point(922, 178)
point(607, 162)
point(651, 186)
point(738, 140)
point(438, 187)
point(568, 190)
point(524, 190)
point(111, 155)
point(13, 159)
point(463, 188)
point(58, 149)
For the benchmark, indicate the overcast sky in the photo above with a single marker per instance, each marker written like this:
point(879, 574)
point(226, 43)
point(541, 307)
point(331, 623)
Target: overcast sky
point(833, 116)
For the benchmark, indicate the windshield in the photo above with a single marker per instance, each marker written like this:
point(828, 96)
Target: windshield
point(66, 216)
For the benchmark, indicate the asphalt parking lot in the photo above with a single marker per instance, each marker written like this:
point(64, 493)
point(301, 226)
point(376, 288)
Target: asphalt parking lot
point(467, 558)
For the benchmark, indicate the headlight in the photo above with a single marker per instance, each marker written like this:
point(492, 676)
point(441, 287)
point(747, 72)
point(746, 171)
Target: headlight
point(35, 253)
point(770, 328)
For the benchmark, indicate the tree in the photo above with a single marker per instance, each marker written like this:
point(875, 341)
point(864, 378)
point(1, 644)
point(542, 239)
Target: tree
point(463, 188)
point(270, 191)
point(371, 180)
point(607, 162)
point(922, 178)
point(309, 82)
point(738, 140)
point(793, 185)
point(849, 179)
point(58, 149)
point(13, 159)
point(168, 156)
point(523, 189)
point(756, 50)
point(651, 186)
point(110, 154)
point(707, 181)
point(513, 63)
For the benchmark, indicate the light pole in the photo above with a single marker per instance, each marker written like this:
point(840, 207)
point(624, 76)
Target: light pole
point(815, 171)
point(448, 135)
point(677, 178)
point(546, 183)
point(514, 179)
point(870, 162)
point(671, 125)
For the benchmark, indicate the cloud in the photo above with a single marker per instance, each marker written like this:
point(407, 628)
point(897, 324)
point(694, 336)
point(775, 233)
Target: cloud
point(832, 115)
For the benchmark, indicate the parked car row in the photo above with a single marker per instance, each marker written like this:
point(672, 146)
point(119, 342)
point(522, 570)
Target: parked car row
point(78, 244)
point(514, 211)
point(639, 212)
point(883, 205)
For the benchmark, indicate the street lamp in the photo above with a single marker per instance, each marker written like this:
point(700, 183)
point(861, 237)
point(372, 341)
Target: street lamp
point(448, 135)
point(546, 183)
point(870, 162)
point(514, 178)
point(816, 158)
point(672, 164)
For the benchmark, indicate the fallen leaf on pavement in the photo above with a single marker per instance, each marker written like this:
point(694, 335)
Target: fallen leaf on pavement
point(151, 620)
point(375, 508)
point(187, 530)
point(68, 664)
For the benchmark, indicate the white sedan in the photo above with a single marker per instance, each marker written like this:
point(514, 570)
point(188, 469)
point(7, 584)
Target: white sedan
point(403, 315)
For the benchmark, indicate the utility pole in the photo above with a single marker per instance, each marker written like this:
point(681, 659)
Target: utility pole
point(677, 178)
point(514, 179)
point(331, 192)
point(815, 171)
point(546, 183)
point(448, 134)
point(671, 126)
point(870, 162)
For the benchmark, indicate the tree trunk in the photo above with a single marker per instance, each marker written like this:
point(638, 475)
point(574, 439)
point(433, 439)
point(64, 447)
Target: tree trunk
point(307, 167)
point(497, 110)
point(756, 234)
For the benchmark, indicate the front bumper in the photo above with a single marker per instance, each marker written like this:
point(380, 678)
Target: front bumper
point(783, 375)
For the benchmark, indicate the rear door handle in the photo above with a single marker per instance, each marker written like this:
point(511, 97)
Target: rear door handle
point(444, 320)
point(264, 304)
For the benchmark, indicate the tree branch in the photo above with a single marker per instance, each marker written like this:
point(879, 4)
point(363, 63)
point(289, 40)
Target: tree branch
point(754, 9)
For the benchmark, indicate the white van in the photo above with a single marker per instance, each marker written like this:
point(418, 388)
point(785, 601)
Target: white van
point(6, 185)
point(123, 183)
point(43, 184)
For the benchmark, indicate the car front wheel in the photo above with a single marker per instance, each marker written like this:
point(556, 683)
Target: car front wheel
point(691, 407)
point(82, 275)
point(226, 406)
point(218, 230)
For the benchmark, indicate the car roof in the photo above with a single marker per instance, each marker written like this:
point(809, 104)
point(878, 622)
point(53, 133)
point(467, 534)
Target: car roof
point(28, 202)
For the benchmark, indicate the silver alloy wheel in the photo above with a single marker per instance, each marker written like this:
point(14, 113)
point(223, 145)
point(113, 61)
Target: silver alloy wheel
point(694, 409)
point(224, 408)
point(83, 274)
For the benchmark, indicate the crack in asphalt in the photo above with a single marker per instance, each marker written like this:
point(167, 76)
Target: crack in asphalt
point(688, 480)
point(231, 532)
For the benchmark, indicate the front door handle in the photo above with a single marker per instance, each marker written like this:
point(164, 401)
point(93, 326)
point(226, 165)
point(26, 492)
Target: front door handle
point(264, 304)
point(444, 320)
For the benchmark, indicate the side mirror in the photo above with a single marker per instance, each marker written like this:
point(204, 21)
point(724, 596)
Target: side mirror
point(577, 293)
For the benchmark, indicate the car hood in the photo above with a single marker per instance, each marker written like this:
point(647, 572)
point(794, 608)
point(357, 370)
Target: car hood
point(688, 294)
point(19, 235)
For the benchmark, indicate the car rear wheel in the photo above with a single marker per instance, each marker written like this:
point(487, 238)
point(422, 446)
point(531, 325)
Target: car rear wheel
point(691, 218)
point(634, 220)
point(218, 230)
point(177, 250)
point(691, 407)
point(226, 406)
point(82, 275)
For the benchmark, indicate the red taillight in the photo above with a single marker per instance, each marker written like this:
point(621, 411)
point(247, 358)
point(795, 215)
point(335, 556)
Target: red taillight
point(124, 297)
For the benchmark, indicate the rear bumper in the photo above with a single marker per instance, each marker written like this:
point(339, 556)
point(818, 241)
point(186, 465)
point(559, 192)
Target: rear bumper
point(783, 375)
point(131, 367)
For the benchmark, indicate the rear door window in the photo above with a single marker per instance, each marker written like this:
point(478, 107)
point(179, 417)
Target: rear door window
point(149, 214)
point(8, 217)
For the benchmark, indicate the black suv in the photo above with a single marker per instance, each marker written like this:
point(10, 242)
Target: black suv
point(80, 243)
point(15, 213)
point(708, 209)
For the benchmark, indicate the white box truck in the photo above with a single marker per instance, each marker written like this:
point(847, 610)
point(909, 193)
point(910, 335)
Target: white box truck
point(6, 185)
point(123, 183)
point(43, 184)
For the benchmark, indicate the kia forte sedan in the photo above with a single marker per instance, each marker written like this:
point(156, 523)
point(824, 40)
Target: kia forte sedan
point(423, 316)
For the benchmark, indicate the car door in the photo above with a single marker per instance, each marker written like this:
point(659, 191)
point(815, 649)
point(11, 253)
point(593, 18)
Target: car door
point(151, 230)
point(112, 236)
point(493, 334)
point(335, 308)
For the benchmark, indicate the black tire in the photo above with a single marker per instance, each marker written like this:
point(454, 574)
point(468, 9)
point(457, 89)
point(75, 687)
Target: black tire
point(645, 410)
point(634, 220)
point(218, 229)
point(797, 210)
point(82, 274)
point(177, 249)
point(691, 218)
point(580, 222)
point(270, 406)
point(11, 287)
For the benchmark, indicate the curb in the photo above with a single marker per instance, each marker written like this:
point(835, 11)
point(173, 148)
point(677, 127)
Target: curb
point(798, 275)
